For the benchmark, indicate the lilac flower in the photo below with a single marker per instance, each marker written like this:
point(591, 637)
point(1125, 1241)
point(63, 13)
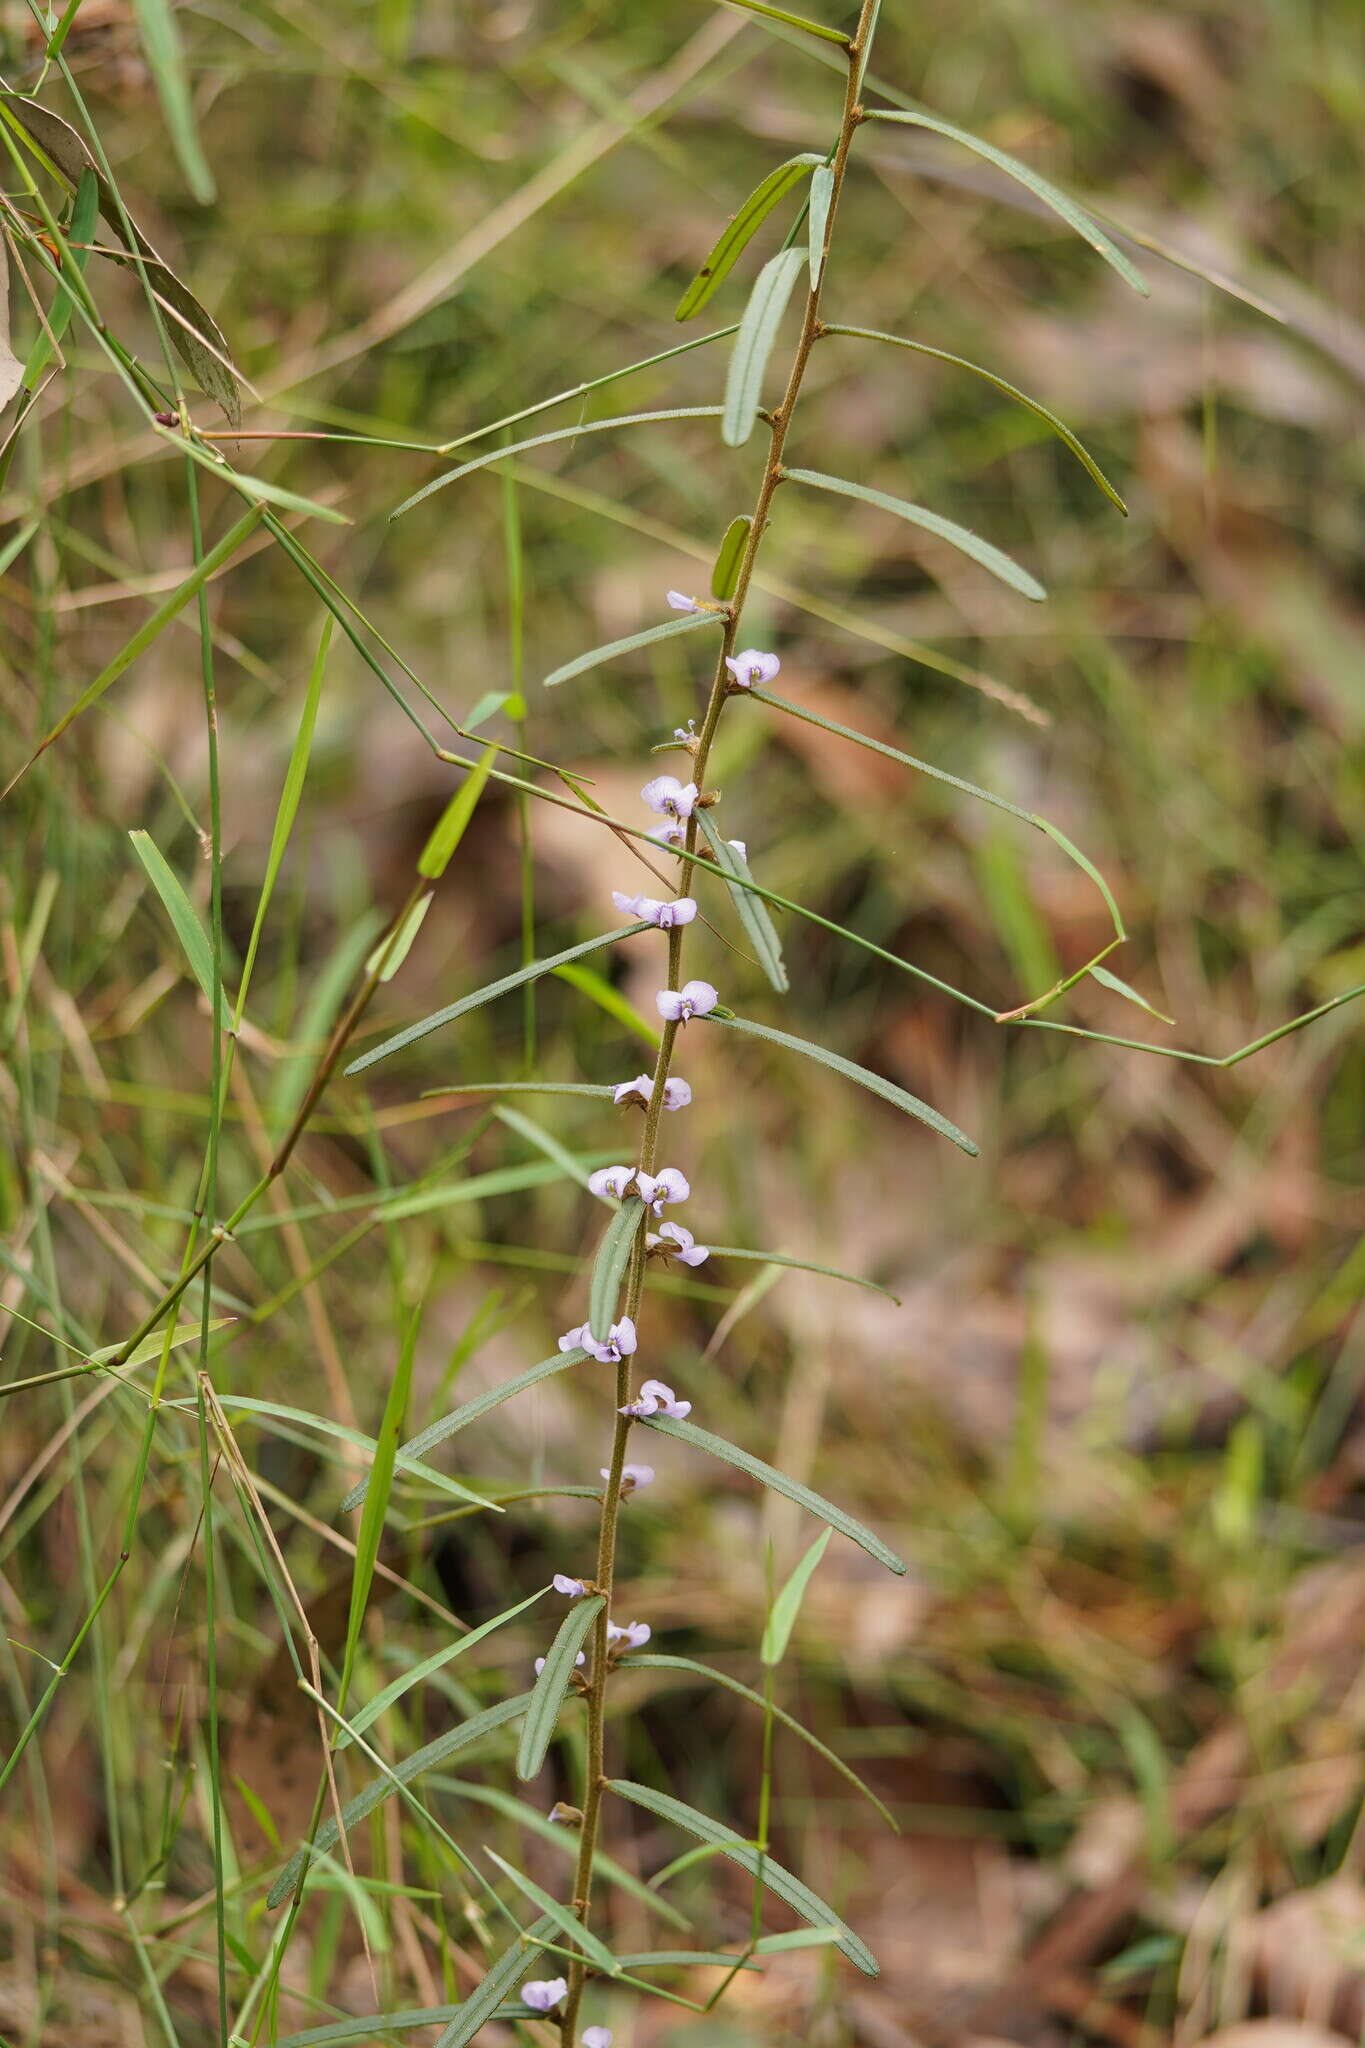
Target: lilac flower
point(634, 1634)
point(677, 1095)
point(542, 1994)
point(597, 2037)
point(664, 915)
point(657, 1188)
point(575, 1588)
point(619, 1342)
point(671, 798)
point(671, 834)
point(654, 1398)
point(687, 734)
point(751, 667)
point(631, 1476)
point(679, 603)
point(581, 1658)
point(613, 1180)
point(694, 999)
point(674, 1241)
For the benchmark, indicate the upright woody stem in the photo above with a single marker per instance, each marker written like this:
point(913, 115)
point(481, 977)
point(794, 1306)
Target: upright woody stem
point(721, 689)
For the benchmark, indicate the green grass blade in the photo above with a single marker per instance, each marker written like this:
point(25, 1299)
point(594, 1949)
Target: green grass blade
point(1065, 208)
point(437, 1661)
point(768, 1475)
point(79, 235)
point(797, 21)
point(609, 1267)
point(564, 1919)
point(542, 1715)
point(735, 1251)
point(739, 231)
point(780, 1882)
point(574, 433)
point(371, 1530)
point(752, 910)
point(160, 39)
point(450, 828)
point(194, 940)
point(786, 1607)
point(1121, 988)
point(981, 551)
point(901, 1098)
point(303, 1418)
point(489, 993)
point(687, 623)
point(754, 344)
point(599, 990)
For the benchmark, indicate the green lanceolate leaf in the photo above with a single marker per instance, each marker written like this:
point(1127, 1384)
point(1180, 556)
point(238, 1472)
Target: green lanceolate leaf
point(609, 1267)
point(493, 989)
point(786, 1607)
point(382, 1701)
point(1121, 988)
point(491, 455)
point(768, 1475)
point(1033, 405)
point(450, 828)
point(967, 543)
point(754, 343)
point(568, 1924)
point(651, 1662)
point(450, 1425)
point(80, 234)
point(688, 623)
point(542, 1715)
point(889, 1092)
point(821, 194)
point(734, 1251)
point(725, 574)
point(739, 231)
point(1066, 209)
point(393, 949)
point(753, 911)
point(780, 1882)
point(193, 938)
point(379, 1789)
point(484, 2000)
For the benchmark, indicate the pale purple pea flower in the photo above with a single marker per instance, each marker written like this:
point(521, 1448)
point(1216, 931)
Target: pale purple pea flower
point(677, 1242)
point(657, 1188)
point(677, 1093)
point(694, 999)
point(631, 1476)
point(664, 915)
point(542, 1994)
point(575, 1588)
point(654, 1398)
point(581, 1658)
point(671, 834)
point(619, 1342)
point(751, 667)
point(612, 1180)
point(671, 798)
point(634, 1634)
point(678, 603)
point(597, 2037)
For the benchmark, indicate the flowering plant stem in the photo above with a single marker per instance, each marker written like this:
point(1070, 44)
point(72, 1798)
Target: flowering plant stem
point(721, 688)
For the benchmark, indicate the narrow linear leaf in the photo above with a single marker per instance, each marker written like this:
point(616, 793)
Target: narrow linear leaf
point(547, 1697)
point(150, 1347)
point(450, 828)
point(1042, 188)
point(1033, 405)
point(160, 39)
point(450, 1425)
point(566, 1842)
point(754, 343)
point(520, 1088)
point(753, 911)
point(567, 1922)
point(982, 551)
point(599, 990)
point(799, 1937)
point(1087, 867)
point(687, 623)
point(725, 574)
point(772, 1875)
point(489, 993)
point(484, 2000)
point(393, 949)
point(901, 1098)
point(1121, 988)
point(786, 1607)
point(501, 454)
point(683, 1959)
point(291, 796)
point(371, 1530)
point(799, 21)
point(80, 234)
point(490, 702)
point(821, 194)
point(419, 1673)
point(381, 1788)
point(609, 1267)
point(735, 1251)
point(303, 1418)
point(739, 231)
point(370, 2024)
point(657, 1662)
point(194, 940)
point(768, 1475)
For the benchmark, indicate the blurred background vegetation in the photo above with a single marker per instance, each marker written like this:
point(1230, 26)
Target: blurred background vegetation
point(1115, 1423)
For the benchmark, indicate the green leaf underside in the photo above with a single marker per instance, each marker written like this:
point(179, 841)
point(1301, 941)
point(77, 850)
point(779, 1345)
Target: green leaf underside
point(1033, 405)
point(725, 573)
point(649, 1661)
point(608, 1271)
point(768, 1475)
point(628, 419)
point(379, 1789)
point(488, 994)
point(1042, 188)
point(772, 1875)
point(736, 1251)
point(568, 1924)
point(900, 1098)
point(786, 1607)
point(735, 236)
point(751, 910)
point(193, 938)
point(1121, 988)
point(821, 193)
point(754, 343)
point(460, 1418)
point(687, 623)
point(382, 1701)
point(547, 1697)
point(980, 551)
point(484, 2000)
